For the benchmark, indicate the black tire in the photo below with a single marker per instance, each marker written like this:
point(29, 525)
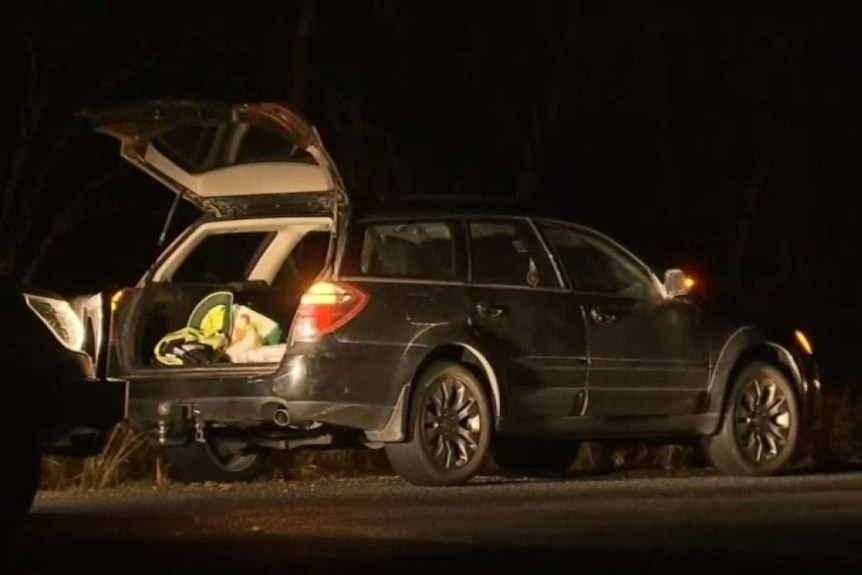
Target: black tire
point(534, 458)
point(449, 428)
point(198, 462)
point(19, 483)
point(760, 427)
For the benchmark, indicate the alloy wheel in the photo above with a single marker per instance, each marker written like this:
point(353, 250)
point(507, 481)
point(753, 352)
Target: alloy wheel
point(231, 458)
point(451, 423)
point(763, 420)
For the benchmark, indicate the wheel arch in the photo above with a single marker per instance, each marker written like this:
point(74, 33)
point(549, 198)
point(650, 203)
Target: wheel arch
point(743, 349)
point(475, 360)
point(396, 430)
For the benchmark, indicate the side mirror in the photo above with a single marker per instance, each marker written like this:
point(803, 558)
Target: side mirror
point(676, 283)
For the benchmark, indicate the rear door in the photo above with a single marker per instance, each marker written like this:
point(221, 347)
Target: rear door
point(521, 310)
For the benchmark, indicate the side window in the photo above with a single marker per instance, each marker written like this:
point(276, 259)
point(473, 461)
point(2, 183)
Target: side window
point(417, 250)
point(597, 266)
point(222, 258)
point(509, 253)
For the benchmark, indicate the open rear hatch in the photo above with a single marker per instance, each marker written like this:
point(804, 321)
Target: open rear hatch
point(232, 161)
point(228, 159)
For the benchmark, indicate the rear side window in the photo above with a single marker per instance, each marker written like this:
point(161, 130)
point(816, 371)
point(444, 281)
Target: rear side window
point(222, 258)
point(413, 250)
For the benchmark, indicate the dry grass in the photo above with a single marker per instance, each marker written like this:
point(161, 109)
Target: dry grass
point(313, 463)
point(126, 456)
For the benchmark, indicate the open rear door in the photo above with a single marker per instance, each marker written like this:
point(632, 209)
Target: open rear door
point(228, 159)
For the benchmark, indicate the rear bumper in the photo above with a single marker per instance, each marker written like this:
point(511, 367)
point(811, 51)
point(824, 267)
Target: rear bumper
point(179, 404)
point(229, 402)
point(359, 388)
point(352, 415)
point(258, 410)
point(238, 411)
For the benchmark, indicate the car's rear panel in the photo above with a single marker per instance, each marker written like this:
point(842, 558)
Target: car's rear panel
point(361, 337)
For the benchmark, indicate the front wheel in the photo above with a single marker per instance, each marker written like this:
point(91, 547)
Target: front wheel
point(449, 428)
point(760, 428)
point(215, 460)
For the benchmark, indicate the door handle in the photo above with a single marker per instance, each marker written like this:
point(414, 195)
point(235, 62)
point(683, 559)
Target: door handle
point(489, 311)
point(600, 317)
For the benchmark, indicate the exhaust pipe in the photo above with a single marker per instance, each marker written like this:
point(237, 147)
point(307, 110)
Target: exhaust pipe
point(281, 417)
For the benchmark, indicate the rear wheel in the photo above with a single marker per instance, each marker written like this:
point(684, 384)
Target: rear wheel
point(19, 483)
point(760, 428)
point(215, 460)
point(449, 431)
point(533, 457)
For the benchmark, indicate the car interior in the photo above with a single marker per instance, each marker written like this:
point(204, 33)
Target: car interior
point(277, 268)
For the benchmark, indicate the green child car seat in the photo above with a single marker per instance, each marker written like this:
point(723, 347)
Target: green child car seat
point(210, 330)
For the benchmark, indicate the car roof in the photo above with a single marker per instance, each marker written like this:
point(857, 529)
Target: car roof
point(449, 207)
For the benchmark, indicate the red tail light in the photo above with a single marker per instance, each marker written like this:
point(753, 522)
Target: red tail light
point(325, 307)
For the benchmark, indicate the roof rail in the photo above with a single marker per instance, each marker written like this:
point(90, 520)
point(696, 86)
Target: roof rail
point(445, 200)
point(470, 198)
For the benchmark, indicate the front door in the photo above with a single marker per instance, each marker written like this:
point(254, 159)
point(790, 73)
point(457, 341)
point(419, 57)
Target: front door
point(648, 355)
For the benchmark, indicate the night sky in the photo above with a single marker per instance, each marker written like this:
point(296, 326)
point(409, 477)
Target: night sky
point(682, 137)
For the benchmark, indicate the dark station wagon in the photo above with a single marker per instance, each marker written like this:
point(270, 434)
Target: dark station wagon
point(288, 317)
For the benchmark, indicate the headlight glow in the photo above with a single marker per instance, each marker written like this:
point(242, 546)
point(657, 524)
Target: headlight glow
point(60, 319)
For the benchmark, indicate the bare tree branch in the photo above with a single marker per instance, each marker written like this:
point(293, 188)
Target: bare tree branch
point(301, 48)
point(32, 110)
point(40, 183)
point(15, 231)
point(32, 62)
point(751, 196)
point(546, 114)
point(73, 214)
point(373, 165)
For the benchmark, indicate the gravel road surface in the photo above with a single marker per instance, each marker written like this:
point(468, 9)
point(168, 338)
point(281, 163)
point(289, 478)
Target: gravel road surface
point(647, 522)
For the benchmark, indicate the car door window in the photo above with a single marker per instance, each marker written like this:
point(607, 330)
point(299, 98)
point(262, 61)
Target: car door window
point(596, 265)
point(414, 250)
point(508, 252)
